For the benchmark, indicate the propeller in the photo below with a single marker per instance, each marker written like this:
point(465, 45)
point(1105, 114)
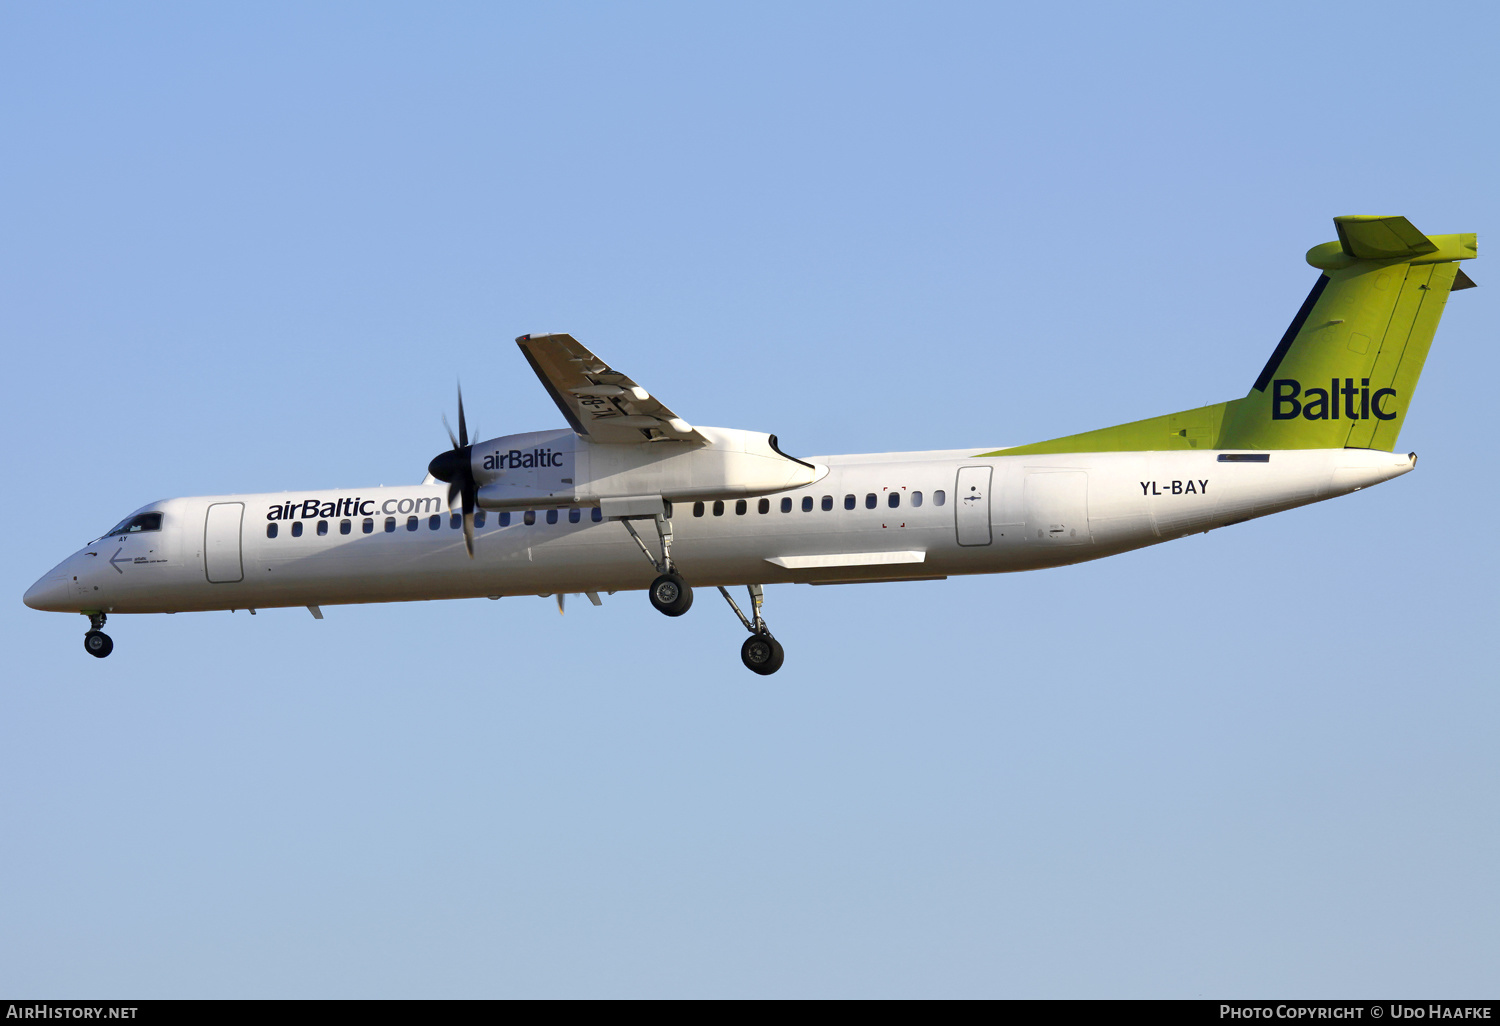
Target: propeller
point(453, 468)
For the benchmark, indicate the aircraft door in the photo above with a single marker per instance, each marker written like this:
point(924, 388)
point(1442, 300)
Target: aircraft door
point(971, 505)
point(222, 561)
point(1056, 504)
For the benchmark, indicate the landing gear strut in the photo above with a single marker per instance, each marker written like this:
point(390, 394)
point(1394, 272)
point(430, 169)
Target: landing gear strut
point(760, 653)
point(96, 643)
point(669, 593)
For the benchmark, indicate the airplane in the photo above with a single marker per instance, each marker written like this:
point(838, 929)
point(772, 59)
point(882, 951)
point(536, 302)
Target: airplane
point(631, 496)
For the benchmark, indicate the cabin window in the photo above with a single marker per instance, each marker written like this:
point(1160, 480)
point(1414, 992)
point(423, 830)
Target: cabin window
point(529, 517)
point(456, 521)
point(368, 526)
point(138, 523)
point(390, 525)
point(718, 507)
point(505, 519)
point(596, 515)
point(871, 500)
point(764, 505)
point(849, 502)
point(479, 518)
point(435, 522)
point(827, 503)
point(786, 504)
point(296, 529)
point(345, 527)
point(697, 509)
point(939, 497)
point(916, 498)
point(322, 527)
point(271, 529)
point(575, 515)
point(552, 516)
point(412, 523)
point(893, 500)
point(807, 503)
point(741, 507)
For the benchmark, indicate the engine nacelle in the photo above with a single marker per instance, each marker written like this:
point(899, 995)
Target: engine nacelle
point(541, 469)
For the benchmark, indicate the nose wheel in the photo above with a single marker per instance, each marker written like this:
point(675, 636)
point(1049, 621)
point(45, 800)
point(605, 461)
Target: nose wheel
point(96, 643)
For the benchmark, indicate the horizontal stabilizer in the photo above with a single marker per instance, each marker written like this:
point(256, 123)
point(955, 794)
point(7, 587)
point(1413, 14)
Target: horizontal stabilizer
point(1381, 238)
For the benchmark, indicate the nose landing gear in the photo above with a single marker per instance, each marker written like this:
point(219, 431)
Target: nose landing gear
point(96, 643)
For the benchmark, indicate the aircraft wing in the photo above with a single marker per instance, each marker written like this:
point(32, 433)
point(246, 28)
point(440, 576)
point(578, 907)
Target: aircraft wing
point(601, 404)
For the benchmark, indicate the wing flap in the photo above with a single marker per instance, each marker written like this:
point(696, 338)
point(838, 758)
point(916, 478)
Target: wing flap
point(847, 559)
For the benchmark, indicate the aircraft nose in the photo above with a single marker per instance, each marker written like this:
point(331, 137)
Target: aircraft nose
point(50, 594)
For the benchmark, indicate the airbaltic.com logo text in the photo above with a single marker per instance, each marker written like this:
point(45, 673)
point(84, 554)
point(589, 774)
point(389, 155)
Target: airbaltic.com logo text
point(353, 506)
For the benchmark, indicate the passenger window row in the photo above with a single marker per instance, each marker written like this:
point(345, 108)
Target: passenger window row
point(575, 515)
point(435, 522)
point(872, 501)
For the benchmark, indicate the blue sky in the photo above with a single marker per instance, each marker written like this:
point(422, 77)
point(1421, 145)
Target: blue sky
point(251, 248)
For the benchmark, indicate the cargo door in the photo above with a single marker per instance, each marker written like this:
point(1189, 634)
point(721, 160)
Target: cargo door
point(1057, 507)
point(222, 561)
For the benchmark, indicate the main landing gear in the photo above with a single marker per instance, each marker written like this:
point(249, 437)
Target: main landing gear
point(96, 643)
point(669, 593)
point(761, 653)
point(671, 596)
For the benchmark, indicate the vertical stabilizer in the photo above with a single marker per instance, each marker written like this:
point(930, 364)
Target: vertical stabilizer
point(1344, 373)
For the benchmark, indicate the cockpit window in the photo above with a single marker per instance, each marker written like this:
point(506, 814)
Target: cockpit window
point(136, 524)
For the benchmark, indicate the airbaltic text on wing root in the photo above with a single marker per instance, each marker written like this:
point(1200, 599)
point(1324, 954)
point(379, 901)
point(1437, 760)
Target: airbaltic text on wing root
point(516, 459)
point(353, 506)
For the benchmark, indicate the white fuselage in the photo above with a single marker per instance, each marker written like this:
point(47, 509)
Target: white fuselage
point(976, 515)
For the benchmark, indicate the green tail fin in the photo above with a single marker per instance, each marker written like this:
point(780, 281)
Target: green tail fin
point(1344, 372)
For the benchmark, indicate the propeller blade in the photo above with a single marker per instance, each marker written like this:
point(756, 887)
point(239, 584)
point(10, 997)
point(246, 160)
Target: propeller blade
point(453, 467)
point(463, 431)
point(560, 599)
point(469, 496)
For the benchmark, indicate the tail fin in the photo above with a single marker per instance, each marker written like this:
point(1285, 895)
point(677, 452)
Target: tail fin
point(1344, 372)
